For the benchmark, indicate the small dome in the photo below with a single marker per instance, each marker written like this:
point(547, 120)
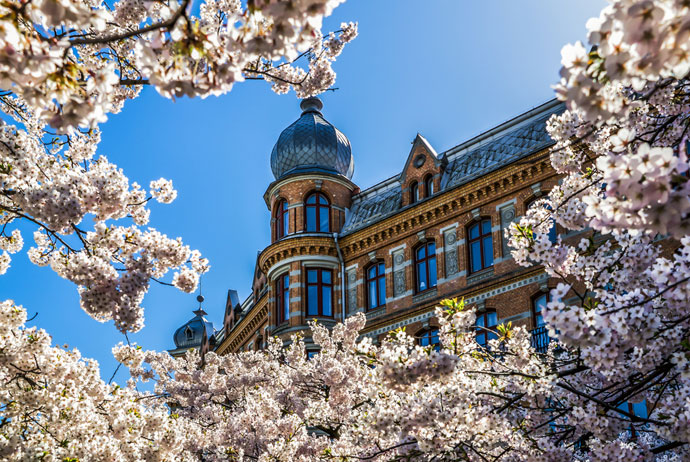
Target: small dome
point(191, 333)
point(312, 144)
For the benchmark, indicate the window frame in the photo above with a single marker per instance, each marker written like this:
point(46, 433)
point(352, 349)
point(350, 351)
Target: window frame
point(553, 232)
point(282, 219)
point(317, 206)
point(429, 185)
point(320, 285)
point(484, 329)
point(414, 192)
point(425, 261)
point(378, 279)
point(429, 333)
point(482, 236)
point(533, 308)
point(283, 296)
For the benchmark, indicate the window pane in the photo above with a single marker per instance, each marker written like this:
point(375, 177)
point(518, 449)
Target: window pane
point(286, 307)
point(475, 256)
point(431, 249)
point(474, 231)
point(312, 276)
point(382, 291)
point(322, 200)
point(421, 276)
point(311, 218)
point(539, 319)
point(323, 217)
point(640, 409)
point(488, 252)
point(312, 300)
point(372, 294)
point(481, 339)
point(421, 252)
point(432, 272)
point(327, 311)
point(326, 276)
point(311, 199)
point(486, 227)
point(540, 303)
point(382, 269)
point(372, 272)
point(491, 319)
point(286, 222)
point(480, 320)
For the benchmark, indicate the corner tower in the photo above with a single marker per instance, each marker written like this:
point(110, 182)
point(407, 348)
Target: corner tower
point(313, 166)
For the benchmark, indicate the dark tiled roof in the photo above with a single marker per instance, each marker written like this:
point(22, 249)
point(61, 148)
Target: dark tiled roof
point(483, 154)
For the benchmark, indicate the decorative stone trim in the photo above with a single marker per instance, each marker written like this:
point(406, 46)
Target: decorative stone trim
point(375, 313)
point(507, 214)
point(480, 275)
point(426, 295)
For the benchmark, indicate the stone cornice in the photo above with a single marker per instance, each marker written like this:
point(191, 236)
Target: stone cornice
point(296, 246)
point(448, 204)
point(246, 327)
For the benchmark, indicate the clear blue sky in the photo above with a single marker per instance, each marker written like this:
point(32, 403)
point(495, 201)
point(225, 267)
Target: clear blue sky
point(448, 69)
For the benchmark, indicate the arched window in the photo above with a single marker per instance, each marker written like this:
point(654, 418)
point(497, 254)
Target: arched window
point(318, 214)
point(429, 337)
point(282, 219)
point(414, 192)
point(188, 333)
point(283, 297)
point(425, 266)
point(429, 186)
point(376, 285)
point(553, 233)
point(539, 302)
point(319, 292)
point(480, 245)
point(486, 327)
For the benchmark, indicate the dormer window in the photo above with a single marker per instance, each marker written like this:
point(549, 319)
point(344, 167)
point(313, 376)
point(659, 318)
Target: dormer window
point(188, 333)
point(429, 186)
point(414, 192)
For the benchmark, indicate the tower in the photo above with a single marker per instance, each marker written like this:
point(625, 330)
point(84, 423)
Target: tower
point(313, 166)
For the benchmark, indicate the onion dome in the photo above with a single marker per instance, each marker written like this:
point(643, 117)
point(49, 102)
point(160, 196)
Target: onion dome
point(191, 333)
point(312, 144)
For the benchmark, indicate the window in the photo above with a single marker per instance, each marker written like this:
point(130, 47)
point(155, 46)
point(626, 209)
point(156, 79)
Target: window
point(318, 214)
point(425, 266)
point(188, 333)
point(282, 219)
point(486, 327)
point(283, 297)
point(481, 245)
point(553, 234)
point(538, 305)
point(429, 186)
point(311, 354)
point(414, 192)
point(319, 292)
point(636, 409)
point(376, 285)
point(429, 337)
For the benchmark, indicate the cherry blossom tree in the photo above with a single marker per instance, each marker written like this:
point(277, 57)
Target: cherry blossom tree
point(619, 315)
point(66, 64)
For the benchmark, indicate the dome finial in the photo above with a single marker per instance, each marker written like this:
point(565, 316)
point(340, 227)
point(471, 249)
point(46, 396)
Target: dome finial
point(311, 104)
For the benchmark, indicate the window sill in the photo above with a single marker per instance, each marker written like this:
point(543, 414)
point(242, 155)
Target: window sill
point(480, 275)
point(376, 312)
point(425, 295)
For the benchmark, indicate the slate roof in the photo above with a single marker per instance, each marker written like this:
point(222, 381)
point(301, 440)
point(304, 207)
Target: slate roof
point(498, 147)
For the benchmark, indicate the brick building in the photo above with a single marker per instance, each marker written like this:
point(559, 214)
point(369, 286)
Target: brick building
point(395, 249)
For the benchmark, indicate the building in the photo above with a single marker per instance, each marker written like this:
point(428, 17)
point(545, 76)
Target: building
point(395, 249)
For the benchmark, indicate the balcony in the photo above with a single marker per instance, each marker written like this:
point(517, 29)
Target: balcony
point(540, 339)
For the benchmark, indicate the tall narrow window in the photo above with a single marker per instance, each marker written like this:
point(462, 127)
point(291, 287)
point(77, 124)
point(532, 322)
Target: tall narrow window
point(318, 214)
point(425, 266)
point(282, 219)
point(414, 192)
point(376, 285)
point(429, 186)
point(538, 305)
point(553, 233)
point(429, 337)
point(486, 327)
point(319, 292)
point(480, 245)
point(283, 297)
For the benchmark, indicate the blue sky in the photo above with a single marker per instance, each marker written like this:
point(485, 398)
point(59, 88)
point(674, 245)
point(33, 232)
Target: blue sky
point(448, 69)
